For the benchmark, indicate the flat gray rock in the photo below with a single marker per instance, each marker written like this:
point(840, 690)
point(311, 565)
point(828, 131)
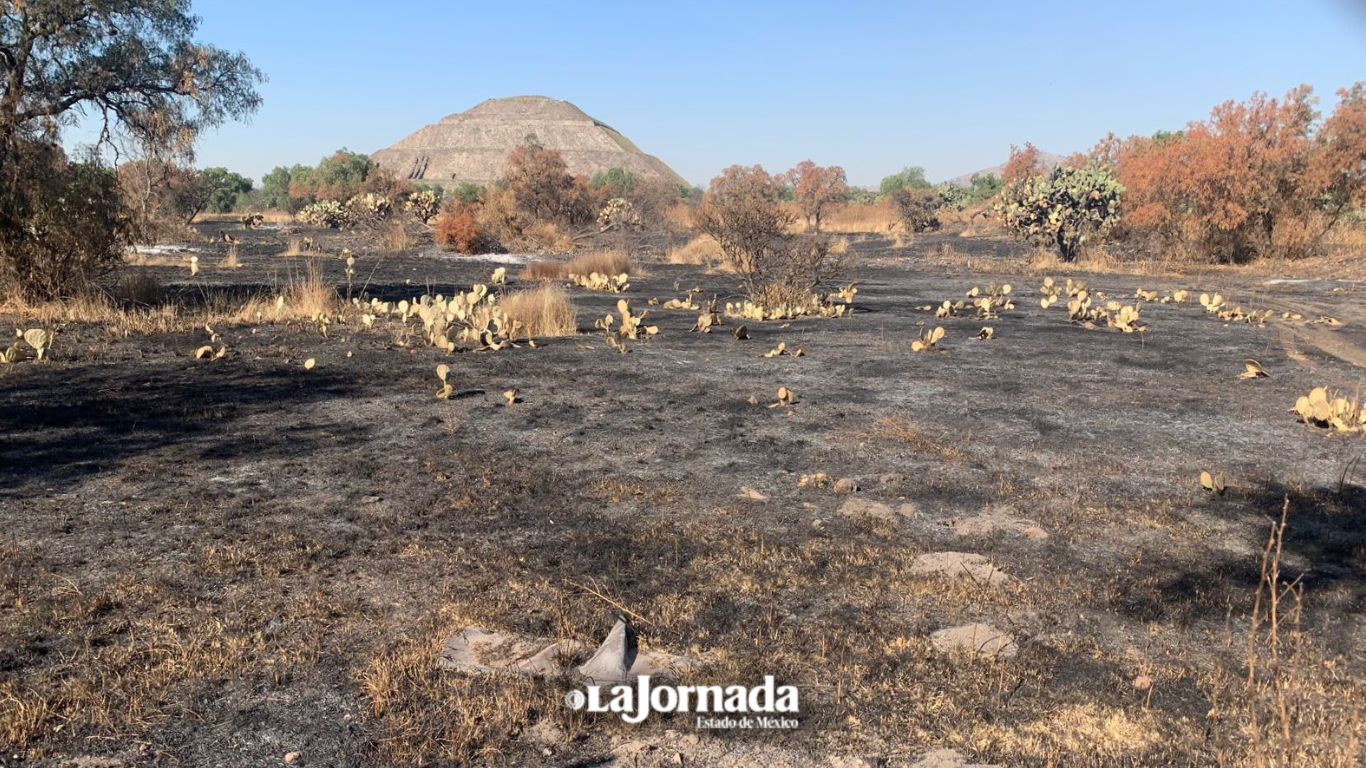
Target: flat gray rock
point(994, 521)
point(961, 565)
point(977, 640)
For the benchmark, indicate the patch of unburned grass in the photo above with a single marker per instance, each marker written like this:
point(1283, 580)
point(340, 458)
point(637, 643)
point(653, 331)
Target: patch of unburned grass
point(701, 251)
point(612, 262)
point(544, 312)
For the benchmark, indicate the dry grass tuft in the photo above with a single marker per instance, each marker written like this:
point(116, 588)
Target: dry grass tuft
point(296, 247)
point(545, 311)
point(395, 236)
point(905, 431)
point(1287, 703)
point(854, 219)
point(602, 262)
point(267, 217)
point(305, 296)
point(701, 251)
point(230, 260)
point(412, 699)
point(680, 217)
point(133, 258)
point(544, 270)
point(545, 237)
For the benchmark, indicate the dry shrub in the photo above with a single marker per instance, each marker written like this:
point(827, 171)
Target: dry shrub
point(742, 212)
point(545, 311)
point(918, 209)
point(1261, 178)
point(546, 237)
point(1289, 704)
point(817, 190)
point(395, 236)
point(460, 230)
point(544, 189)
point(680, 217)
point(61, 224)
point(499, 218)
point(701, 251)
point(1350, 238)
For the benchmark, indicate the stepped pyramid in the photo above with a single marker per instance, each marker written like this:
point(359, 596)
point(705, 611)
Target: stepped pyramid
point(473, 146)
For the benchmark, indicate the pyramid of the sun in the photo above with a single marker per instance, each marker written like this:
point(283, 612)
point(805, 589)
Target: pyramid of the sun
point(473, 146)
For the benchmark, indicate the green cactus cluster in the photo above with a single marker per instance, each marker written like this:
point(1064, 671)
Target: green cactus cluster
point(1064, 209)
point(619, 215)
point(327, 213)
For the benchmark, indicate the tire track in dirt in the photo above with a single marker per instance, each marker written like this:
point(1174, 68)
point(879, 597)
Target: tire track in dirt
point(1325, 340)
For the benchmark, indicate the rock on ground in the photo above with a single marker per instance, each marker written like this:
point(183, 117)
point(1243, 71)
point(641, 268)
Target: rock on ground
point(981, 640)
point(962, 565)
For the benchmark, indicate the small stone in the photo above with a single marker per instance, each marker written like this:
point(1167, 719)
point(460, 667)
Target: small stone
point(752, 495)
point(978, 640)
point(961, 565)
point(293, 757)
point(992, 522)
point(846, 486)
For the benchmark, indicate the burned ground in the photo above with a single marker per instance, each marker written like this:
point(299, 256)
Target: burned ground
point(218, 563)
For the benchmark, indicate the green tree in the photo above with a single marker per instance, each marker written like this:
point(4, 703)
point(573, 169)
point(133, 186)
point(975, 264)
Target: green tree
point(223, 188)
point(984, 186)
point(275, 189)
point(132, 64)
point(467, 192)
point(618, 181)
point(913, 177)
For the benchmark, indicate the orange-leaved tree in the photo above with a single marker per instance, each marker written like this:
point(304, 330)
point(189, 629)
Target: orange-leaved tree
point(1023, 164)
point(1261, 178)
point(816, 188)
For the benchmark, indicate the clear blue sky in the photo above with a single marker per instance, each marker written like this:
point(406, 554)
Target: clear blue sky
point(869, 86)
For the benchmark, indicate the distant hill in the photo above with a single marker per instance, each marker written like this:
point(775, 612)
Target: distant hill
point(1047, 159)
